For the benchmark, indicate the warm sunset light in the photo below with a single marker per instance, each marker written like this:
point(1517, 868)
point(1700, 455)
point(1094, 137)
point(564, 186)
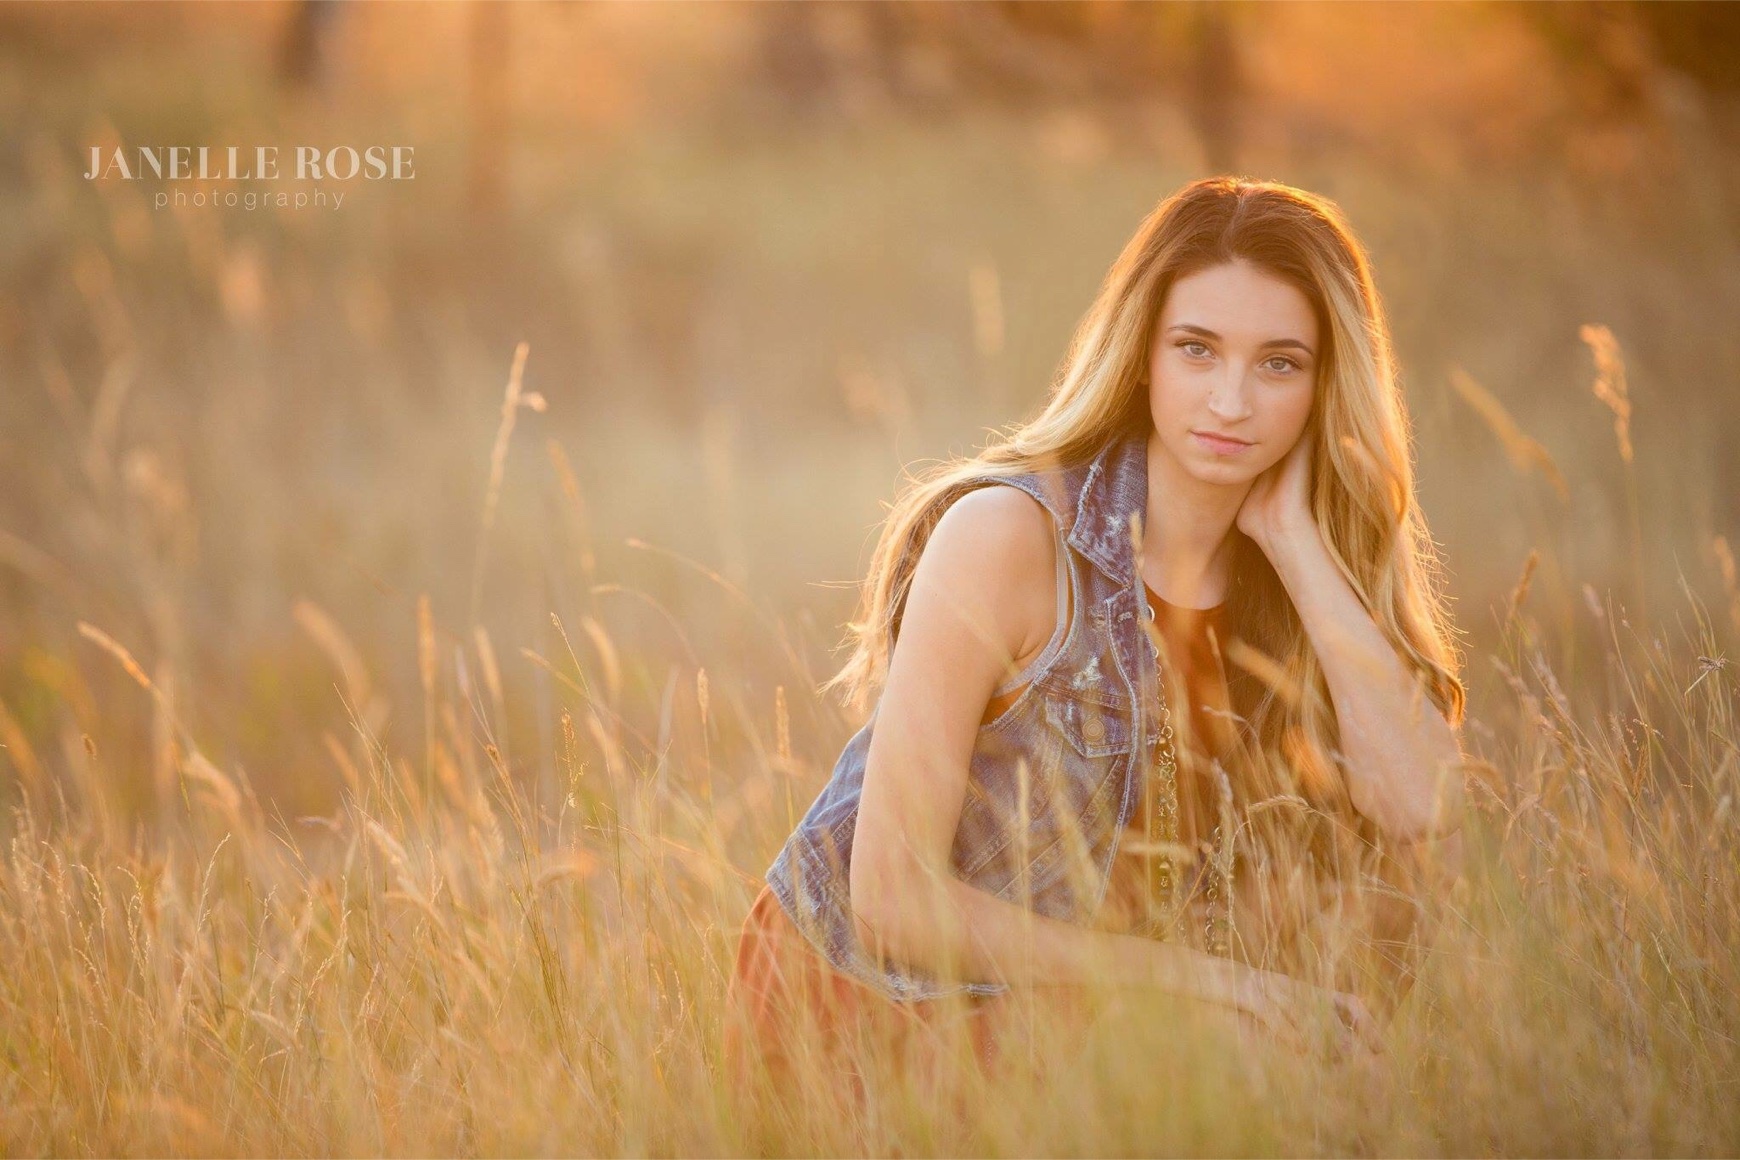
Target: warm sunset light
point(467, 467)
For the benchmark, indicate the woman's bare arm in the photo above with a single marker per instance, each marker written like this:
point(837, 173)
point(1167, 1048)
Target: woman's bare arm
point(983, 599)
point(1404, 762)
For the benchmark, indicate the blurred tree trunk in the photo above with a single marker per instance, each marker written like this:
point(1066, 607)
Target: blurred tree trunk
point(795, 62)
point(304, 52)
point(1213, 96)
point(488, 153)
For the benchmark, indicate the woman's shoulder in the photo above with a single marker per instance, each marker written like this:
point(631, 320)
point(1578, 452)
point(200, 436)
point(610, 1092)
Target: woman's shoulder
point(995, 546)
point(1000, 524)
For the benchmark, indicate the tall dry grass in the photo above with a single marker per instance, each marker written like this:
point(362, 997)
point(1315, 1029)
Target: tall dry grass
point(470, 958)
point(381, 772)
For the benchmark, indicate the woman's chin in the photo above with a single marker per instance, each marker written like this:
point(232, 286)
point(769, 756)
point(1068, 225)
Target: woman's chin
point(1208, 467)
point(1220, 474)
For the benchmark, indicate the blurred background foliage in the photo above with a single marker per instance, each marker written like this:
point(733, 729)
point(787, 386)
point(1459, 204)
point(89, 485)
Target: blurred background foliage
point(764, 256)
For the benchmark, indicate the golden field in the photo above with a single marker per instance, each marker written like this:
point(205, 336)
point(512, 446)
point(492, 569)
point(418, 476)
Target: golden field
point(410, 613)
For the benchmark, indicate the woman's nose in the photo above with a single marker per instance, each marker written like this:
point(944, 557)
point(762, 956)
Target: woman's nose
point(1228, 400)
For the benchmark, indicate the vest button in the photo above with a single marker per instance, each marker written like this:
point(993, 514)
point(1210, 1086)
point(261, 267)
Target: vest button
point(1093, 728)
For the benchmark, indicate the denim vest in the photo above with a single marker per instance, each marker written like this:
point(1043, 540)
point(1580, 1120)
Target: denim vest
point(1062, 756)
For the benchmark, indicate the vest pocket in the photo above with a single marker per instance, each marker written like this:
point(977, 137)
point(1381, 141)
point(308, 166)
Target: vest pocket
point(1096, 726)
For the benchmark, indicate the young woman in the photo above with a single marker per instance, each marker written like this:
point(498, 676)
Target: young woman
point(1214, 510)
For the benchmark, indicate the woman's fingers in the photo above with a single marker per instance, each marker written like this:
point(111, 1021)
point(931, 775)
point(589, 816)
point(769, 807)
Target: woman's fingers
point(1352, 1027)
point(1361, 1027)
point(1293, 1015)
point(1274, 1028)
point(1280, 1021)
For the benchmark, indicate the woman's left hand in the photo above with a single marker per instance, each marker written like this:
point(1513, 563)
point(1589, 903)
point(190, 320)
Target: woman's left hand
point(1280, 498)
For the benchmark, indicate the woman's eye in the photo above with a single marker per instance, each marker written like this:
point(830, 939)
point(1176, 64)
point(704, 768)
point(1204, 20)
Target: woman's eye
point(1280, 364)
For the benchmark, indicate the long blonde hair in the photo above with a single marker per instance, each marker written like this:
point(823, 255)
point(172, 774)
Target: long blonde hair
point(1363, 482)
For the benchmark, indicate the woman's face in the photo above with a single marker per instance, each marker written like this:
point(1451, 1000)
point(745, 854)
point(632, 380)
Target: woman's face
point(1235, 354)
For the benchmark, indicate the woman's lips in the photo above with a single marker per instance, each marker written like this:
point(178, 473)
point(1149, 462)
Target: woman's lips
point(1218, 445)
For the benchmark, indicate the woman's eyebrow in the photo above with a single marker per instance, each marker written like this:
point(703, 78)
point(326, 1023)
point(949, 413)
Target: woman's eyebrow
point(1189, 328)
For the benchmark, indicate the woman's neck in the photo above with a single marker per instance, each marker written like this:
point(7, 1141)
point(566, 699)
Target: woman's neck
point(1187, 532)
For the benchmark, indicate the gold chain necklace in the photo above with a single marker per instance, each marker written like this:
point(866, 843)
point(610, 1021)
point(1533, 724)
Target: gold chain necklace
point(1218, 924)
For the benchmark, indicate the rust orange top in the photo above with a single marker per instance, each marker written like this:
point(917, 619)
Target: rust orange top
point(1198, 736)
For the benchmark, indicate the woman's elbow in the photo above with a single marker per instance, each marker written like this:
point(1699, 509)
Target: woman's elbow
point(1433, 865)
point(1422, 814)
point(877, 883)
point(1449, 857)
point(893, 894)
